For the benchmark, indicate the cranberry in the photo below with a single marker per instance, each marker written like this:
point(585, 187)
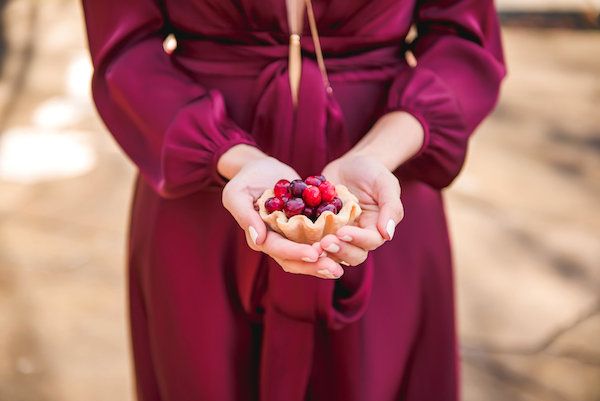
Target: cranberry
point(281, 188)
point(297, 187)
point(309, 212)
point(325, 207)
point(321, 177)
point(313, 180)
point(293, 207)
point(327, 191)
point(273, 204)
point(311, 196)
point(337, 202)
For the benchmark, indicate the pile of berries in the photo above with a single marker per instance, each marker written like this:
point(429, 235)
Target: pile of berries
point(310, 197)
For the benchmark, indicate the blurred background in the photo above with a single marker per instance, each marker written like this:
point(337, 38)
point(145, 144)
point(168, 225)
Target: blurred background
point(524, 216)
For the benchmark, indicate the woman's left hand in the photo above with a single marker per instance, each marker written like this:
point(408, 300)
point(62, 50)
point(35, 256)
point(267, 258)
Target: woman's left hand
point(378, 193)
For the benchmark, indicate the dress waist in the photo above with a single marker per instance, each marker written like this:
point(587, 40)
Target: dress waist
point(240, 59)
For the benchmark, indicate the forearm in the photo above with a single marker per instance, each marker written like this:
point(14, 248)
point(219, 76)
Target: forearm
point(392, 140)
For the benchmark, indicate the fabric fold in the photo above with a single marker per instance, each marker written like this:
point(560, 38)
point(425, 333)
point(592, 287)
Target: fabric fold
point(307, 137)
point(455, 84)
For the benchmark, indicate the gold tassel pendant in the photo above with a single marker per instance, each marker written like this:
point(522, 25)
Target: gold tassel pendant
point(295, 66)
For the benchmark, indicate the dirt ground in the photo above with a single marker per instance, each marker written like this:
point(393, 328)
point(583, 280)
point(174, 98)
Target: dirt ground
point(524, 218)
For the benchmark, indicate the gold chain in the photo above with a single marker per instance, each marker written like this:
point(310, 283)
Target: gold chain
point(317, 43)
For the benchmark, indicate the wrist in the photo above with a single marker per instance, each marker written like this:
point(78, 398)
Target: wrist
point(395, 138)
point(236, 157)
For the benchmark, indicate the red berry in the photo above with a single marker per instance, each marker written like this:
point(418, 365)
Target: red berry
point(273, 204)
point(327, 191)
point(337, 202)
point(311, 196)
point(325, 207)
point(297, 187)
point(281, 188)
point(293, 207)
point(309, 212)
point(321, 178)
point(313, 180)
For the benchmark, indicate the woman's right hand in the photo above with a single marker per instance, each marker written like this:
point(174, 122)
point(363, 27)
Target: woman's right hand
point(247, 184)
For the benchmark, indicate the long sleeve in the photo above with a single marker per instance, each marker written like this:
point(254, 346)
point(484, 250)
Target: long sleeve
point(172, 128)
point(453, 87)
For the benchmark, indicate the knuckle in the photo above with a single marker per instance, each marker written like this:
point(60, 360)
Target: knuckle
point(399, 212)
point(286, 267)
point(225, 193)
point(360, 258)
point(375, 244)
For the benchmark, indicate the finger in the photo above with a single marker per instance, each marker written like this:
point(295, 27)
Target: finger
point(320, 250)
point(344, 253)
point(241, 207)
point(323, 268)
point(391, 210)
point(277, 246)
point(365, 238)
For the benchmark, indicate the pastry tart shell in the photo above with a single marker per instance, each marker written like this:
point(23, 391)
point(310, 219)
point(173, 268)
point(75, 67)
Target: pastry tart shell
point(300, 228)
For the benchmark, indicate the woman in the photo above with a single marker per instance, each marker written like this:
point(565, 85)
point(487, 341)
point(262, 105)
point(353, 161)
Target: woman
point(217, 121)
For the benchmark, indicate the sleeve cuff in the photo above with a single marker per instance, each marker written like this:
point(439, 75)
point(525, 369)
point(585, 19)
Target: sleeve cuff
point(194, 144)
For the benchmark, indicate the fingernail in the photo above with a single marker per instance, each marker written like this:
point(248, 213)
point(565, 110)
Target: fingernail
point(326, 273)
point(333, 248)
point(344, 263)
point(346, 238)
point(390, 227)
point(309, 260)
point(253, 234)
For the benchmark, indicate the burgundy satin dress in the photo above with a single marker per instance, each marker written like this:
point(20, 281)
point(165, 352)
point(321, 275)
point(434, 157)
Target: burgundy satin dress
point(213, 320)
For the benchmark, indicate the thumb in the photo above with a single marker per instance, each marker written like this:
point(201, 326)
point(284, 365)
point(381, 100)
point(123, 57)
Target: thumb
point(391, 210)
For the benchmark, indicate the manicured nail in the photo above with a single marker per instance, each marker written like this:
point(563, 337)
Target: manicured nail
point(390, 227)
point(309, 260)
point(346, 238)
point(344, 263)
point(253, 234)
point(333, 248)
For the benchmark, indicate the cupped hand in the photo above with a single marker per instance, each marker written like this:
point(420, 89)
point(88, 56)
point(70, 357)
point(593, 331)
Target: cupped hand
point(378, 193)
point(239, 197)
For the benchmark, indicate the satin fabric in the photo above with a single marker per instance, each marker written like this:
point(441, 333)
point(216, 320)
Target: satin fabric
point(283, 336)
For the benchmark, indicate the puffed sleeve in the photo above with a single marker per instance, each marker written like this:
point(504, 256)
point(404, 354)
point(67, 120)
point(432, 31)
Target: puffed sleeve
point(172, 128)
point(453, 87)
